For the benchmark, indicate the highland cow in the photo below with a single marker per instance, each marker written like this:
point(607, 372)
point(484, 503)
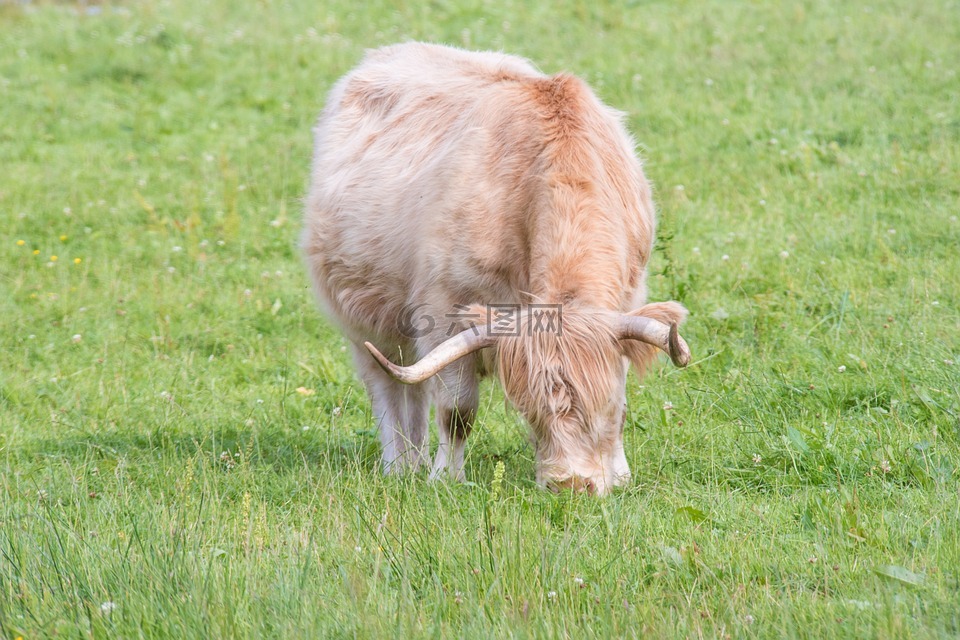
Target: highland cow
point(470, 215)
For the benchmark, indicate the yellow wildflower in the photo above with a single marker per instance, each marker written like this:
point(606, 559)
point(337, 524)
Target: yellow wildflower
point(20, 243)
point(497, 482)
point(53, 258)
point(77, 261)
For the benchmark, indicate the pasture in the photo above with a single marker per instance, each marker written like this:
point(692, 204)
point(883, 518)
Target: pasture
point(185, 451)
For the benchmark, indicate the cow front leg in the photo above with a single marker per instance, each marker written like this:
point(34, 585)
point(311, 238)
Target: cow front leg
point(400, 413)
point(415, 422)
point(453, 427)
point(457, 398)
point(621, 469)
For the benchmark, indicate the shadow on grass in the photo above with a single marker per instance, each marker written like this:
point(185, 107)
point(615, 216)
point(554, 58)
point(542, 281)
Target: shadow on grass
point(282, 450)
point(804, 459)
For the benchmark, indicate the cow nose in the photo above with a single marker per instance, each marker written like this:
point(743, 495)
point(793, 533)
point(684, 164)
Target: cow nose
point(578, 484)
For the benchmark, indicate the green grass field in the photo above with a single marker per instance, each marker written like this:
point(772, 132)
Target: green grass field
point(186, 453)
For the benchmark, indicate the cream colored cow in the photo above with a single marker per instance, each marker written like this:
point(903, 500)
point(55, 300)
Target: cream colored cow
point(451, 189)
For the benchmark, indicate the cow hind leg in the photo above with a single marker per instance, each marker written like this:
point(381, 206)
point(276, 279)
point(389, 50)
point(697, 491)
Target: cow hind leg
point(457, 398)
point(400, 412)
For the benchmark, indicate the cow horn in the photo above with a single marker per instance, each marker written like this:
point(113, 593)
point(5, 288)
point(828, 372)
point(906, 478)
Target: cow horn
point(447, 352)
point(667, 338)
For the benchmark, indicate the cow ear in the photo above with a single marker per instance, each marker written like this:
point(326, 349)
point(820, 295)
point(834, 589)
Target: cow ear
point(641, 354)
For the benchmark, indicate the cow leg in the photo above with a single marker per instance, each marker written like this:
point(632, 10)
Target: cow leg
point(416, 423)
point(456, 397)
point(400, 412)
point(621, 470)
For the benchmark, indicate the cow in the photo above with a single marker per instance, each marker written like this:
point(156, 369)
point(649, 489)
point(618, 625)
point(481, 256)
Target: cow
point(452, 192)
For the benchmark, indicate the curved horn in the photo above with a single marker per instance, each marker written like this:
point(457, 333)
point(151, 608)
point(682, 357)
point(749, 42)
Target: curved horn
point(667, 338)
point(447, 352)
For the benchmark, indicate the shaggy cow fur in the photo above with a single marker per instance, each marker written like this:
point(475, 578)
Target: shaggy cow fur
point(442, 178)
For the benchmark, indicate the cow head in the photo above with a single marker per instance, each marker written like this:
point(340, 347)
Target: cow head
point(570, 384)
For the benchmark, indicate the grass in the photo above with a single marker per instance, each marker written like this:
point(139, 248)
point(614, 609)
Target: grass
point(162, 476)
